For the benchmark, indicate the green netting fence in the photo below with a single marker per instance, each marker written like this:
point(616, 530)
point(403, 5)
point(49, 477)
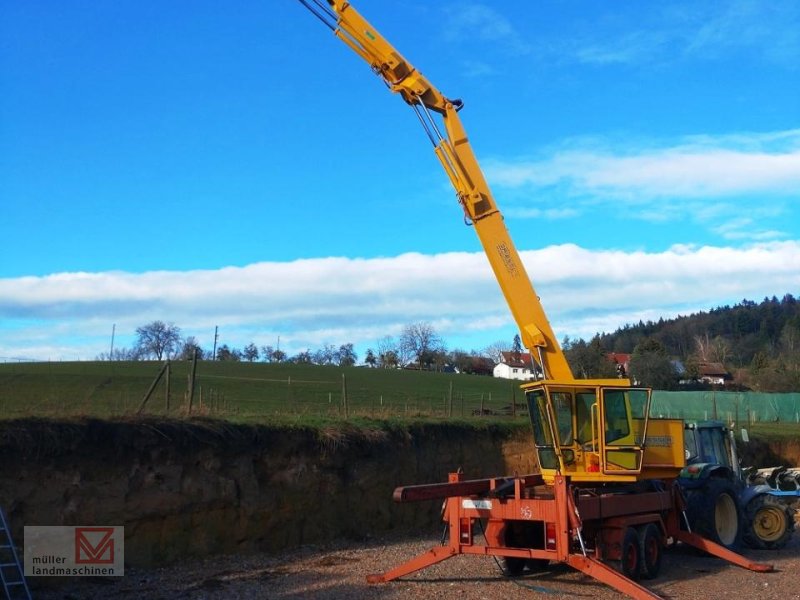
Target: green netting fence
point(752, 407)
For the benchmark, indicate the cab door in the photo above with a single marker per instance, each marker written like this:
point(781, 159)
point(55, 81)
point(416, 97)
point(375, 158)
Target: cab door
point(622, 429)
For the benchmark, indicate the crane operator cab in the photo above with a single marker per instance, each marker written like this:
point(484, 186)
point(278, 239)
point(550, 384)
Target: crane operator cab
point(600, 431)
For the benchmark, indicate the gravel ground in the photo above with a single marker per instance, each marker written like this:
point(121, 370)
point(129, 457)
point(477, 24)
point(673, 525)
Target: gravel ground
point(339, 571)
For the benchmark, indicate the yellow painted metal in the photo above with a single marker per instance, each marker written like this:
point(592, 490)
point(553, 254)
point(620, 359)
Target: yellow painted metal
point(599, 431)
point(459, 162)
point(609, 448)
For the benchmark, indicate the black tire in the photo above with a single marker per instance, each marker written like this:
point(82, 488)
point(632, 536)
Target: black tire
point(714, 513)
point(769, 523)
point(521, 534)
point(650, 550)
point(630, 562)
point(514, 566)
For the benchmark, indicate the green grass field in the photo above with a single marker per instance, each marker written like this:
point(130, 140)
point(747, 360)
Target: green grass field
point(246, 391)
point(274, 393)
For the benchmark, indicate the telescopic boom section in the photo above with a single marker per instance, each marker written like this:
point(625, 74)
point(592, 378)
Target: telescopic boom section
point(459, 162)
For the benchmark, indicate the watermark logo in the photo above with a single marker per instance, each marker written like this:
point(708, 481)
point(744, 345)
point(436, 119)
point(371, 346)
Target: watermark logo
point(80, 550)
point(94, 545)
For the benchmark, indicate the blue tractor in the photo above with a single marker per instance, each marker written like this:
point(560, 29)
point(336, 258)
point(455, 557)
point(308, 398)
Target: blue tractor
point(731, 505)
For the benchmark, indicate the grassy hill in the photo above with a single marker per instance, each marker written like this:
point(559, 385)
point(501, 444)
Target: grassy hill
point(245, 391)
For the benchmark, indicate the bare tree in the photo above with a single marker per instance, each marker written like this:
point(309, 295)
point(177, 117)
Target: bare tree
point(188, 349)
point(717, 349)
point(250, 352)
point(158, 339)
point(495, 349)
point(420, 340)
point(325, 355)
point(267, 352)
point(346, 356)
point(388, 353)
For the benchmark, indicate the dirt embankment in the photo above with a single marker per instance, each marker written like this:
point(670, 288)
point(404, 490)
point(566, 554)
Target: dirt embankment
point(198, 488)
point(186, 489)
point(759, 453)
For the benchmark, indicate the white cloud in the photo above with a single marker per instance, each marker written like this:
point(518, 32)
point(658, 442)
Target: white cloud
point(477, 21)
point(337, 300)
point(694, 167)
point(765, 30)
point(712, 180)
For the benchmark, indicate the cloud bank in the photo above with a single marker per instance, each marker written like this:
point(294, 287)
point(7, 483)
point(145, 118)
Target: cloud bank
point(337, 300)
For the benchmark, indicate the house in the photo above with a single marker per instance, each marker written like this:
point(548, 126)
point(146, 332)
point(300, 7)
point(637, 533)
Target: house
point(514, 365)
point(622, 362)
point(713, 373)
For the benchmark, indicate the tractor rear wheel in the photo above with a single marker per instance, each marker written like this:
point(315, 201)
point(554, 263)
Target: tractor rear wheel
point(770, 523)
point(714, 512)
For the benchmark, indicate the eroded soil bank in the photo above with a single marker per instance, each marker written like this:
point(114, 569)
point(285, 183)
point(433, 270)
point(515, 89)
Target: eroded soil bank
point(204, 487)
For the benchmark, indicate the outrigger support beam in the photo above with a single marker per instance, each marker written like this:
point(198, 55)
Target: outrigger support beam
point(722, 552)
point(498, 501)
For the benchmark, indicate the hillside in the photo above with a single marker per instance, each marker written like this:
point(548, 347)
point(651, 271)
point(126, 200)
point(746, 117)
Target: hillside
point(244, 391)
point(760, 342)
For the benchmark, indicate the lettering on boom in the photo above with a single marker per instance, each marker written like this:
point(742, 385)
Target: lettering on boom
point(661, 441)
point(505, 256)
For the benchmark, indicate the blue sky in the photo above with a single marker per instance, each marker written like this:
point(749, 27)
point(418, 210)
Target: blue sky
point(236, 165)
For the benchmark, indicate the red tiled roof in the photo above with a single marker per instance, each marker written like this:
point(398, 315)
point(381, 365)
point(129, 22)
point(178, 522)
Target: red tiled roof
point(619, 358)
point(516, 359)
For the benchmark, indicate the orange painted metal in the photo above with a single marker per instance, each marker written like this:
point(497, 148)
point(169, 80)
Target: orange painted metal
point(567, 511)
point(602, 572)
point(708, 546)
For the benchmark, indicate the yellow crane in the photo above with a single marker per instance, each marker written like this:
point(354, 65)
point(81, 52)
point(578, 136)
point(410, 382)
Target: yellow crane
point(595, 430)
point(606, 489)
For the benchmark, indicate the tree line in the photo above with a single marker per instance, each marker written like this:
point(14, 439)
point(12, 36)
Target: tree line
point(759, 343)
point(419, 344)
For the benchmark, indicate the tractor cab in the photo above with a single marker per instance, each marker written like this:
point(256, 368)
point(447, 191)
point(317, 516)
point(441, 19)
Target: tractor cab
point(708, 442)
point(599, 431)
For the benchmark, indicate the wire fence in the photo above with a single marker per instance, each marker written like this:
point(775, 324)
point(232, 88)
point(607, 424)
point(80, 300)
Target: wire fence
point(750, 407)
point(231, 391)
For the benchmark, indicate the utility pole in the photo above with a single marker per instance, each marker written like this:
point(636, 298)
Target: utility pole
point(113, 331)
point(216, 336)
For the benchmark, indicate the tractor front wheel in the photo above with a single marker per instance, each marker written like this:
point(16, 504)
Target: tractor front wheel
point(770, 523)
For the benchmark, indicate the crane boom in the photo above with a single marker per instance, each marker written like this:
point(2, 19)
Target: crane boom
point(593, 430)
point(458, 159)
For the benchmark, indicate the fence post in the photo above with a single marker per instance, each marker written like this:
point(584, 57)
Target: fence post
point(513, 399)
point(152, 387)
point(166, 393)
point(191, 379)
point(481, 412)
point(344, 395)
point(450, 401)
point(714, 403)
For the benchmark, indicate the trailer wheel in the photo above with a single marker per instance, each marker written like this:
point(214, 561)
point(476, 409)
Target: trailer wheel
point(514, 566)
point(770, 523)
point(650, 550)
point(520, 534)
point(631, 557)
point(714, 512)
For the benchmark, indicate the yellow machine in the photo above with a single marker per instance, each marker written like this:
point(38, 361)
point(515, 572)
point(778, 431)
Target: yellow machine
point(594, 431)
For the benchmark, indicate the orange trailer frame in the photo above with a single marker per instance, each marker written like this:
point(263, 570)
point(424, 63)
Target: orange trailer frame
point(582, 527)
